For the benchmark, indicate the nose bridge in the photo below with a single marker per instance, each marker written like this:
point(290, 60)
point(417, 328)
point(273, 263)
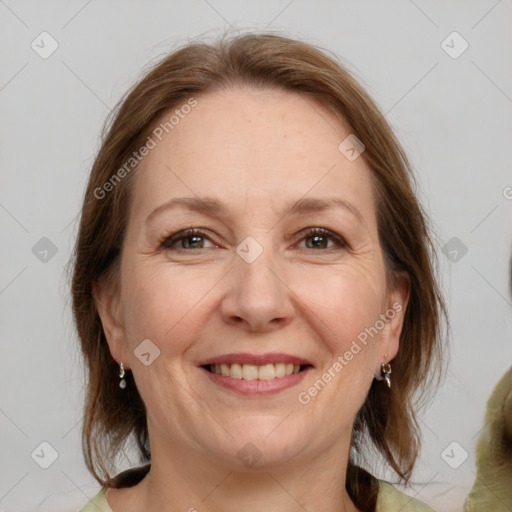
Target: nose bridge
point(258, 296)
point(258, 270)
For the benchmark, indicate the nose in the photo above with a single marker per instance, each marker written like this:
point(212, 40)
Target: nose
point(258, 298)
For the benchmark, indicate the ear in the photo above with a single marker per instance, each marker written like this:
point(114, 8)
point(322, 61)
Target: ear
point(397, 301)
point(108, 305)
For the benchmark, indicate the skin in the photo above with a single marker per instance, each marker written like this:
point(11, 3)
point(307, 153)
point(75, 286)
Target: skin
point(255, 151)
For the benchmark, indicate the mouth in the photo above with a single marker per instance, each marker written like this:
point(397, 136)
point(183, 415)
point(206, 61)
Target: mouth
point(247, 371)
point(256, 374)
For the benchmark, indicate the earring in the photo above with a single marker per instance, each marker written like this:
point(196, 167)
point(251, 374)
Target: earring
point(122, 382)
point(385, 369)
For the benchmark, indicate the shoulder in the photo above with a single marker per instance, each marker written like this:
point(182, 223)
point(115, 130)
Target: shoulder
point(98, 503)
point(391, 499)
point(127, 478)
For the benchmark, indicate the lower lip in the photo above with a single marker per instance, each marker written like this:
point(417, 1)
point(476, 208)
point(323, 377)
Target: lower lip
point(257, 387)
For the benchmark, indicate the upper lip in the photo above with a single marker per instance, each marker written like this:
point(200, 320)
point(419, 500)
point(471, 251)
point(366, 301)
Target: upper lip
point(256, 359)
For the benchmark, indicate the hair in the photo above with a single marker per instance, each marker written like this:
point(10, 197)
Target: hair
point(113, 417)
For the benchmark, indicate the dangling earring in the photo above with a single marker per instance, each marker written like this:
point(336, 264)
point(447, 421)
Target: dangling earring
point(385, 369)
point(122, 382)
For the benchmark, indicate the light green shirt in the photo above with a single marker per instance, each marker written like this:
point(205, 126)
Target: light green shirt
point(389, 500)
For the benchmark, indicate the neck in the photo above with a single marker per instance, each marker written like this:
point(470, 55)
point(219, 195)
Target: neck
point(184, 482)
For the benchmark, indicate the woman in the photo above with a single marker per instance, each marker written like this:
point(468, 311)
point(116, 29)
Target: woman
point(253, 289)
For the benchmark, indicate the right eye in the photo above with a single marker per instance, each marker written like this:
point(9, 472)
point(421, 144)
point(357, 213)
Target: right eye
point(188, 239)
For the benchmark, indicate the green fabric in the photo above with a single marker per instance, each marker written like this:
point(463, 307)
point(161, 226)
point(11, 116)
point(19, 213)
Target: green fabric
point(392, 500)
point(389, 500)
point(98, 503)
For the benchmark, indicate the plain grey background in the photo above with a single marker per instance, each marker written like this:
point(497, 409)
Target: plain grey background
point(451, 109)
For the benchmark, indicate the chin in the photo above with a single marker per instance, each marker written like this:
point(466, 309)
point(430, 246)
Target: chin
point(263, 448)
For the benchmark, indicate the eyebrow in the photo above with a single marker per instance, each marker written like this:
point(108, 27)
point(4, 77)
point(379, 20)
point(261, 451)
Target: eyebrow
point(214, 208)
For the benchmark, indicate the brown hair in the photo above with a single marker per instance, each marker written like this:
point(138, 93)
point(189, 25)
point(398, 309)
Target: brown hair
point(112, 417)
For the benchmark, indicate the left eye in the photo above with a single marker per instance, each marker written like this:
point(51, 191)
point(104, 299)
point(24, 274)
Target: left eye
point(319, 238)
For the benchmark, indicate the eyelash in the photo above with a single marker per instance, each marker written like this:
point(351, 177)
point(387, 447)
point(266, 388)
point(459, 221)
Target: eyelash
point(170, 241)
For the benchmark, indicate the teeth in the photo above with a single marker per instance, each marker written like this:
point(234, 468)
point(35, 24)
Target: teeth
point(236, 371)
point(267, 372)
point(253, 372)
point(249, 372)
point(280, 369)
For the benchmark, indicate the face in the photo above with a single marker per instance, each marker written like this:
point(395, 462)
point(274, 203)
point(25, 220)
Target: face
point(252, 265)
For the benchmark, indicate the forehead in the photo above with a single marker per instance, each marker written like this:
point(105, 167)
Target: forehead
point(265, 146)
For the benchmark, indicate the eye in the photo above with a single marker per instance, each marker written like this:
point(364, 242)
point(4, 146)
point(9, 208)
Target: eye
point(187, 240)
point(320, 238)
point(190, 239)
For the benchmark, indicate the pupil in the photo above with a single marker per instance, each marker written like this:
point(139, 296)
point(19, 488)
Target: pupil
point(191, 241)
point(318, 241)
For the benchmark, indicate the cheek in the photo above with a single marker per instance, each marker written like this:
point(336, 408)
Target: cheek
point(343, 308)
point(343, 302)
point(166, 306)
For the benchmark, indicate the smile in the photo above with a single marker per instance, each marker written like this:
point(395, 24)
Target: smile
point(267, 371)
point(256, 374)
